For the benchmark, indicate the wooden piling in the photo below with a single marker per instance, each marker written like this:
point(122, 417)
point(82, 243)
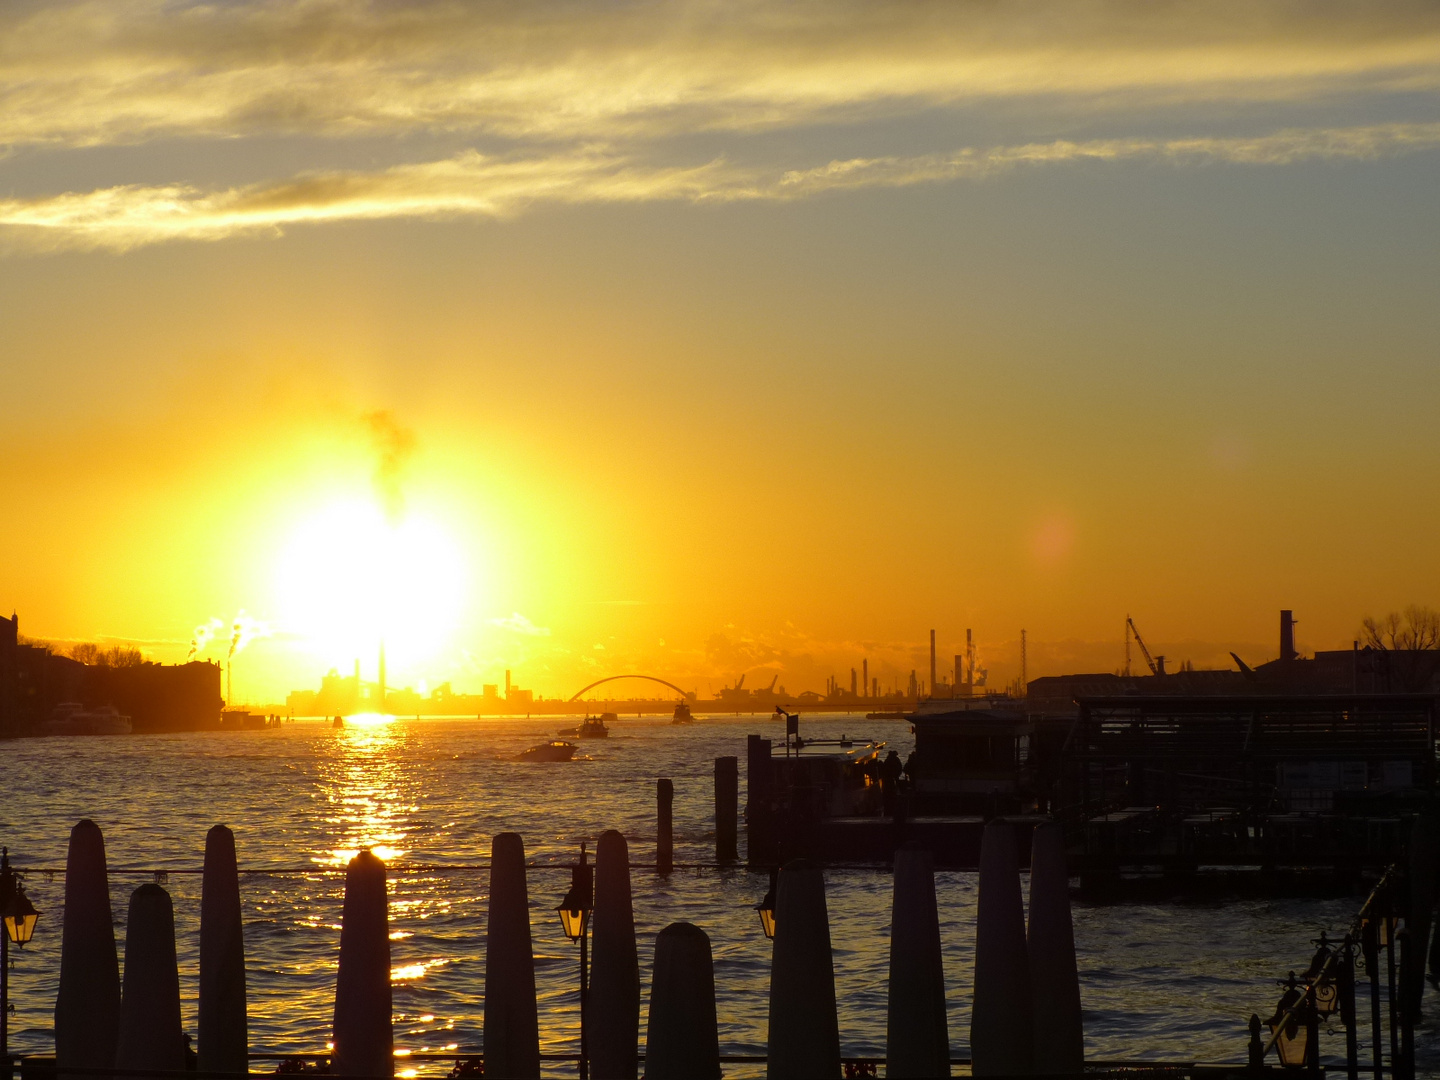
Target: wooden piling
point(1001, 1031)
point(917, 1038)
point(804, 1032)
point(1405, 1065)
point(511, 1018)
point(612, 1019)
point(1370, 942)
point(87, 1006)
point(1059, 1044)
point(224, 1039)
point(759, 837)
point(150, 1035)
point(727, 808)
point(682, 1038)
point(664, 831)
point(363, 1033)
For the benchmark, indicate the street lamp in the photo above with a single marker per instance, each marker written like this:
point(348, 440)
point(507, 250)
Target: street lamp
point(766, 910)
point(575, 918)
point(1290, 1024)
point(20, 917)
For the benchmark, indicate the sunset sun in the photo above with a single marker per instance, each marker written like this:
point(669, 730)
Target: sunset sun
point(351, 577)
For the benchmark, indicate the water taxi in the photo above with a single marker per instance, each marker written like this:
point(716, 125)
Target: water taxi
point(555, 750)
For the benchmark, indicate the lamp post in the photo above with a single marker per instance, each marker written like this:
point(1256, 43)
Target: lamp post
point(575, 918)
point(20, 917)
point(766, 909)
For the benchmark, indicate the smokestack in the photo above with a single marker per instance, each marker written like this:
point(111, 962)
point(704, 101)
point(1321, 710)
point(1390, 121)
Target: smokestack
point(932, 663)
point(864, 676)
point(852, 682)
point(969, 658)
point(507, 682)
point(381, 692)
point(1287, 635)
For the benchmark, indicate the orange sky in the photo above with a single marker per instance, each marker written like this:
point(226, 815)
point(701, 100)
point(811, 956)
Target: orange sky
point(763, 344)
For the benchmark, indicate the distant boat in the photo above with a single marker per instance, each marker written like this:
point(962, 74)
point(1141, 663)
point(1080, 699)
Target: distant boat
point(555, 750)
point(592, 728)
point(72, 718)
point(682, 713)
point(339, 721)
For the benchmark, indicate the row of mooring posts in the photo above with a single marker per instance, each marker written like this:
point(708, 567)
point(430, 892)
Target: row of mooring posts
point(1026, 1016)
point(102, 1023)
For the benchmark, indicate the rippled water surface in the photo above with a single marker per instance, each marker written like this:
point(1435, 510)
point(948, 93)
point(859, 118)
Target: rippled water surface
point(1175, 981)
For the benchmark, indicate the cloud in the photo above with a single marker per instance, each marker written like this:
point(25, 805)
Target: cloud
point(97, 72)
point(519, 624)
point(478, 186)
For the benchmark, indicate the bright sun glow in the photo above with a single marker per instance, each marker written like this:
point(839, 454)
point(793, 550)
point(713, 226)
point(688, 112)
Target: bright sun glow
point(350, 577)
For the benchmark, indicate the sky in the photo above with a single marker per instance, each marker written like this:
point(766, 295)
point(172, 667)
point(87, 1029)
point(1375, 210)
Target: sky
point(708, 339)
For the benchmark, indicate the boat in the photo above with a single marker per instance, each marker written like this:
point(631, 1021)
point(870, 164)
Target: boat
point(682, 713)
point(73, 718)
point(338, 722)
point(593, 727)
point(555, 750)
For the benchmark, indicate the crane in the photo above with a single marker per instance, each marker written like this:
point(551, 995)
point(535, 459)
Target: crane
point(1157, 665)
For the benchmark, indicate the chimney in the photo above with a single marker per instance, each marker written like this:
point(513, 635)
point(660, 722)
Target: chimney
point(507, 682)
point(1287, 635)
point(864, 677)
point(932, 662)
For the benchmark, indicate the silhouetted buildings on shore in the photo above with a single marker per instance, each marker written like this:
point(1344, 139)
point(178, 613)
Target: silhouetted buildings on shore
point(34, 680)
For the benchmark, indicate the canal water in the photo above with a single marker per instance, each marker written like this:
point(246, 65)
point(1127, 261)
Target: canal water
point(1171, 981)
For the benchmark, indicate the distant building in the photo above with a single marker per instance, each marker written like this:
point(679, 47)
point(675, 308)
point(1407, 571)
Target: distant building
point(1337, 671)
point(156, 697)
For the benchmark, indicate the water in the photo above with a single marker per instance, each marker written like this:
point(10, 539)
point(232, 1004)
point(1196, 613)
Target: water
point(1175, 981)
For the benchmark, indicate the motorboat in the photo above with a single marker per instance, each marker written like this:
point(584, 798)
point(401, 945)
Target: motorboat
point(682, 713)
point(555, 750)
point(73, 718)
point(593, 727)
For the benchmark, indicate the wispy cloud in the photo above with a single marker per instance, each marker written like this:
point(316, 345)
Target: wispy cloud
point(116, 71)
point(473, 185)
point(519, 624)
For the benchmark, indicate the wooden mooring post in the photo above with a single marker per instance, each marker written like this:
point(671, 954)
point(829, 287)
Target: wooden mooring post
point(664, 831)
point(727, 808)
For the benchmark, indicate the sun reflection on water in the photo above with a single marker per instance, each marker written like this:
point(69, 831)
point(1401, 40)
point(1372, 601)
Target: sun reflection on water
point(364, 784)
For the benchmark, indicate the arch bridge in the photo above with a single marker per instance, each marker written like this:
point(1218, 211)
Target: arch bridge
point(685, 694)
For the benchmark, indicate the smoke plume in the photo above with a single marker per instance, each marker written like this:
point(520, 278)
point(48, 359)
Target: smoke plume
point(243, 631)
point(393, 444)
point(201, 638)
